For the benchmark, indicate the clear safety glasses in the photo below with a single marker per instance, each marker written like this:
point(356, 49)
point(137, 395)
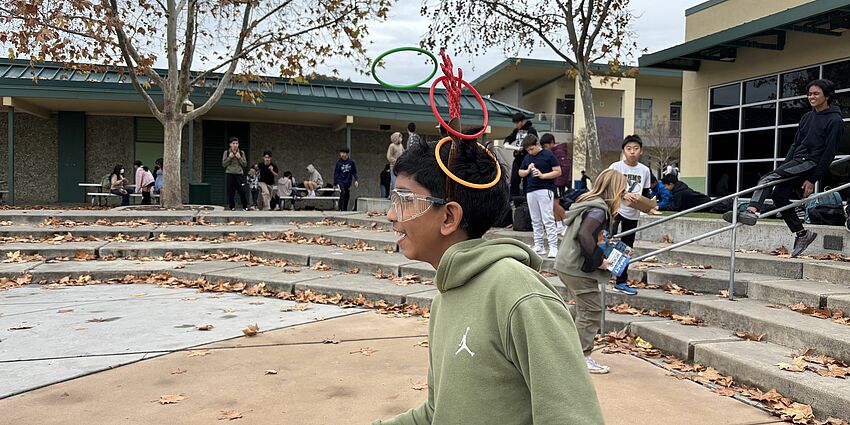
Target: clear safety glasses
point(408, 205)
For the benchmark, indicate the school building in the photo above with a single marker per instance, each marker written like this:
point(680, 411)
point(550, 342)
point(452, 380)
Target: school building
point(70, 127)
point(648, 104)
point(745, 65)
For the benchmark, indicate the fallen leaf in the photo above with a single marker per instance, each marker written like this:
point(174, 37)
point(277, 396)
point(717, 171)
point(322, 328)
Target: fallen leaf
point(353, 270)
point(204, 327)
point(366, 351)
point(198, 353)
point(725, 392)
point(419, 386)
point(799, 413)
point(65, 310)
point(318, 318)
point(178, 371)
point(229, 415)
point(796, 365)
point(302, 306)
point(256, 303)
point(331, 340)
point(423, 343)
point(251, 330)
point(20, 327)
point(749, 336)
point(774, 306)
point(171, 398)
point(138, 295)
point(230, 310)
point(270, 372)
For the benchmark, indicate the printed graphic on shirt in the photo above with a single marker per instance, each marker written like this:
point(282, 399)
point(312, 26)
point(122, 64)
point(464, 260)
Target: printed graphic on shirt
point(345, 168)
point(462, 346)
point(634, 183)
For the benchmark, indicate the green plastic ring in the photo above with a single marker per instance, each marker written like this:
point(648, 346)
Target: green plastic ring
point(404, 49)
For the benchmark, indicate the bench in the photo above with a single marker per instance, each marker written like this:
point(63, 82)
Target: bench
point(298, 197)
point(103, 197)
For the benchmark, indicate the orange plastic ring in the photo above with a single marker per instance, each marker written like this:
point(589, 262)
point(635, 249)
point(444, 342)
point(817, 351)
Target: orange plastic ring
point(458, 179)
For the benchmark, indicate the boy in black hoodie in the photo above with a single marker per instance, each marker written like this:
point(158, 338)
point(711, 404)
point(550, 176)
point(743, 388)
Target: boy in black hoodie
point(684, 198)
point(807, 162)
point(514, 142)
point(345, 173)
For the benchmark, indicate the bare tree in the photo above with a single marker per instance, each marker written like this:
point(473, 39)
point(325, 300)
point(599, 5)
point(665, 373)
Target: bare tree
point(580, 32)
point(207, 44)
point(663, 142)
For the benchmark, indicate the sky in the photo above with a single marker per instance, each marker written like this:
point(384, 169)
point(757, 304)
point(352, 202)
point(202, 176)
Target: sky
point(656, 27)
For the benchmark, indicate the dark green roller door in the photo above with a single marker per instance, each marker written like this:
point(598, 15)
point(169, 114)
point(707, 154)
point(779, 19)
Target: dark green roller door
point(72, 156)
point(215, 136)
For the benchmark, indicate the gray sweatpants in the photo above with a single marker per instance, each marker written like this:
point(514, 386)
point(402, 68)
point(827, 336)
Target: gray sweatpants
point(540, 207)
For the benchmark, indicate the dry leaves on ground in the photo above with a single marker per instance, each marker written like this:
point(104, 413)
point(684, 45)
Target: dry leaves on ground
point(251, 330)
point(781, 250)
point(6, 283)
point(625, 308)
point(171, 398)
point(749, 336)
point(673, 289)
point(198, 353)
point(229, 415)
point(634, 283)
point(204, 327)
point(836, 315)
point(270, 372)
point(332, 340)
point(321, 266)
point(419, 386)
point(823, 365)
point(666, 239)
point(20, 327)
point(178, 371)
point(698, 267)
point(366, 351)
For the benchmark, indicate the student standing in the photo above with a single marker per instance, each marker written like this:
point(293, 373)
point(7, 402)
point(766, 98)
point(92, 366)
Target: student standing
point(541, 168)
point(514, 142)
point(503, 348)
point(807, 162)
point(581, 264)
point(385, 182)
point(394, 150)
point(412, 137)
point(268, 172)
point(345, 173)
point(638, 183)
point(233, 160)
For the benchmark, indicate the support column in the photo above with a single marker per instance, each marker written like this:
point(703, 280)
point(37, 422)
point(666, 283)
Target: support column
point(10, 163)
point(191, 136)
point(348, 136)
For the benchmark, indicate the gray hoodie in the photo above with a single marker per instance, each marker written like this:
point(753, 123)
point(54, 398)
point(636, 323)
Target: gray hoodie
point(314, 175)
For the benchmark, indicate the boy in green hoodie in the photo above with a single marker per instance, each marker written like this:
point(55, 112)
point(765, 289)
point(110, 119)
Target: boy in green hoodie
point(503, 347)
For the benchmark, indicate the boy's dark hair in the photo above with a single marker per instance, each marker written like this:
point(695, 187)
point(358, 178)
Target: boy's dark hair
point(481, 207)
point(287, 174)
point(547, 138)
point(652, 179)
point(529, 140)
point(632, 138)
point(519, 116)
point(670, 179)
point(232, 139)
point(137, 163)
point(827, 86)
point(344, 149)
point(411, 127)
point(267, 152)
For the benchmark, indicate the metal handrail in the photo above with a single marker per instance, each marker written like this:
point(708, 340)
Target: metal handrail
point(733, 227)
point(714, 202)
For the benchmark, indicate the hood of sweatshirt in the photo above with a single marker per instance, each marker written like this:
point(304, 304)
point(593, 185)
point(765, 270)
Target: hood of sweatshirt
point(834, 109)
point(578, 208)
point(311, 169)
point(465, 260)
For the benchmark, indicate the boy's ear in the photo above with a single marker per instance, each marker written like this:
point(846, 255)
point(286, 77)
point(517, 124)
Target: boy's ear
point(451, 219)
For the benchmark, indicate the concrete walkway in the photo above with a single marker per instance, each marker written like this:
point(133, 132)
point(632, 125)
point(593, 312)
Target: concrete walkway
point(374, 372)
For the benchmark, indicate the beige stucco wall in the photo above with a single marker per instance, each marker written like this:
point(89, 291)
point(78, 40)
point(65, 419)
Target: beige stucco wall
point(801, 50)
point(661, 97)
point(511, 94)
point(731, 13)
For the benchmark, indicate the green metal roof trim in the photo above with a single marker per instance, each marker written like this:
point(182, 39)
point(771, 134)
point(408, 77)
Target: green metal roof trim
point(702, 6)
point(555, 64)
point(748, 29)
point(330, 97)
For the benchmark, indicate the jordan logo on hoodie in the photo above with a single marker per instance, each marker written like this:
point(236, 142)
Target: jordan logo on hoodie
point(462, 346)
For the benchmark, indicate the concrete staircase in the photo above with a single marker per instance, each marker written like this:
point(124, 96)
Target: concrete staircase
point(763, 282)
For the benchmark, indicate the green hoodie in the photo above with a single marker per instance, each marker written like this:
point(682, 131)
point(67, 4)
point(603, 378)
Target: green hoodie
point(570, 258)
point(503, 347)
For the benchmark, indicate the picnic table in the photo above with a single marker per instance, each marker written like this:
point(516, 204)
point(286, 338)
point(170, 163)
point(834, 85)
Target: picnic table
point(103, 197)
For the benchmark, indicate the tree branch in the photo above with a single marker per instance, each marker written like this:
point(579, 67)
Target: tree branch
point(171, 45)
point(188, 49)
point(126, 47)
point(603, 16)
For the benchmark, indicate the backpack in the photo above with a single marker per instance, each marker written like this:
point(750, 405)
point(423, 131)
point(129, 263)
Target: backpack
point(833, 199)
point(570, 196)
point(522, 218)
point(106, 182)
point(830, 215)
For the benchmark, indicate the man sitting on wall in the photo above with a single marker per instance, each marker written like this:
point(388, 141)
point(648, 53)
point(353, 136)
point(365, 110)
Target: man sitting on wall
point(683, 196)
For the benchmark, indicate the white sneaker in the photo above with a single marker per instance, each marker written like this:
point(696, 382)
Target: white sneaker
point(594, 367)
point(553, 253)
point(540, 250)
point(560, 229)
point(311, 193)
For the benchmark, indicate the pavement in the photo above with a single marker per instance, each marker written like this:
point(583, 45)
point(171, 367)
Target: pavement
point(376, 369)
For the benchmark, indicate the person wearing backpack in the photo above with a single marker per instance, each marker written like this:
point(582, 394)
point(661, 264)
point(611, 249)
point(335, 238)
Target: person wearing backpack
point(807, 162)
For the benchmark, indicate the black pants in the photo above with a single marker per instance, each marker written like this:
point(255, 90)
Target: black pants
point(516, 180)
point(146, 198)
point(620, 225)
point(344, 195)
point(781, 193)
point(234, 183)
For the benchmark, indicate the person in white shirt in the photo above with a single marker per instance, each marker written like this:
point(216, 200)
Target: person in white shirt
point(638, 177)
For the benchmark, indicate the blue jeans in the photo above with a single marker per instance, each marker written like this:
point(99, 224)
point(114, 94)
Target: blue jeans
point(125, 197)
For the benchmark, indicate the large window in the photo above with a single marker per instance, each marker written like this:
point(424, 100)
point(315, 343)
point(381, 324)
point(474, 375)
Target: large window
point(752, 123)
point(643, 113)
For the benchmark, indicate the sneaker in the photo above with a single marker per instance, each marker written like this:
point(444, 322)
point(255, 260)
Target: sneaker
point(560, 229)
point(553, 253)
point(594, 367)
point(801, 242)
point(748, 218)
point(624, 288)
point(540, 250)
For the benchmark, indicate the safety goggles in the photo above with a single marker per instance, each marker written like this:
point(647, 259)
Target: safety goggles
point(408, 205)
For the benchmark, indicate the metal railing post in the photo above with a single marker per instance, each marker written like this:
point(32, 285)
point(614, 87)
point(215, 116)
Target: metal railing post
point(732, 244)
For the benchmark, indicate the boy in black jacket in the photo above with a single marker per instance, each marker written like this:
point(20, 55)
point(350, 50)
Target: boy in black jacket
point(807, 162)
point(683, 196)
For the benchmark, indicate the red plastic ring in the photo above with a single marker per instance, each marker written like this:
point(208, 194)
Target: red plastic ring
point(446, 126)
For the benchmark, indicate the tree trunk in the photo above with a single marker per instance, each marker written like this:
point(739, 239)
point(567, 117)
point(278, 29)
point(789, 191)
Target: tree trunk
point(588, 146)
point(172, 186)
